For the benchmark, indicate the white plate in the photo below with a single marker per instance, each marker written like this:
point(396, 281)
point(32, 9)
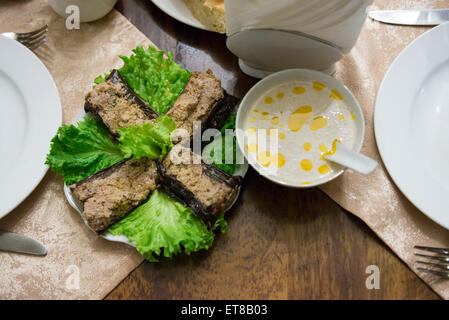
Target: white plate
point(411, 123)
point(179, 11)
point(31, 115)
point(241, 170)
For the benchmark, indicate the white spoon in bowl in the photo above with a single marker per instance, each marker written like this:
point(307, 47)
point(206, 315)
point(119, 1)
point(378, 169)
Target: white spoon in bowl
point(350, 159)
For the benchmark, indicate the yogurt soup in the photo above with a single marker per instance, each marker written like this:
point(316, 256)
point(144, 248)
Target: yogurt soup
point(291, 126)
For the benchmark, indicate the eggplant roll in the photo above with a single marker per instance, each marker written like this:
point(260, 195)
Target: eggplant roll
point(117, 104)
point(112, 193)
point(203, 99)
point(207, 190)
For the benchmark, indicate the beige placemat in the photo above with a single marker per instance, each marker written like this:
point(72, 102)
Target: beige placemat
point(74, 58)
point(375, 199)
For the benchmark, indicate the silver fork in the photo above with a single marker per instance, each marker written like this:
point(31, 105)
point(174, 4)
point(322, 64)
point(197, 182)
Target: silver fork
point(440, 258)
point(32, 40)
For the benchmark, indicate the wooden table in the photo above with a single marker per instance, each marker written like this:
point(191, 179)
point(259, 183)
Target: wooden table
point(282, 243)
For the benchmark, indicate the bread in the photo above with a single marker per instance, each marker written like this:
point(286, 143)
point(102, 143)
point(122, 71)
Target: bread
point(211, 13)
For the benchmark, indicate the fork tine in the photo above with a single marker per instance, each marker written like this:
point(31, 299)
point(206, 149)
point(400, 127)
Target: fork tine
point(36, 45)
point(434, 272)
point(433, 249)
point(34, 36)
point(30, 42)
point(32, 33)
point(438, 258)
point(435, 265)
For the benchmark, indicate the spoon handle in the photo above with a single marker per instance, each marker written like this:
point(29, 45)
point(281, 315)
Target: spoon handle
point(353, 160)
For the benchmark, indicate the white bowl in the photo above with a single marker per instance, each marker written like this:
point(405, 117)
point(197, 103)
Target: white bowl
point(278, 78)
point(89, 10)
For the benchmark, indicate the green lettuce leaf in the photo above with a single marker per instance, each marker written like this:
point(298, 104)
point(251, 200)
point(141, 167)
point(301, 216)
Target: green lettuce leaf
point(155, 78)
point(77, 152)
point(230, 123)
point(221, 224)
point(163, 226)
point(102, 78)
point(147, 140)
point(216, 151)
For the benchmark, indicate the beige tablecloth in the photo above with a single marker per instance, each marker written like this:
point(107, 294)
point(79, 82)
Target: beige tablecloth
point(76, 57)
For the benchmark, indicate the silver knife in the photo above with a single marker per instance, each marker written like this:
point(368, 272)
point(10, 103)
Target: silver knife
point(14, 242)
point(411, 17)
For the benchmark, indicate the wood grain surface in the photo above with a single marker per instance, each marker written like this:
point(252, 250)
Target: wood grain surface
point(282, 243)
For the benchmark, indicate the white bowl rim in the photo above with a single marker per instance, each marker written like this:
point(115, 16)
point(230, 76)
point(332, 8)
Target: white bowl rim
point(280, 77)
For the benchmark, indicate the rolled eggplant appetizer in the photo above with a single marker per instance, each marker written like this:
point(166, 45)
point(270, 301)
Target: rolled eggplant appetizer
point(203, 99)
point(112, 193)
point(117, 104)
point(207, 190)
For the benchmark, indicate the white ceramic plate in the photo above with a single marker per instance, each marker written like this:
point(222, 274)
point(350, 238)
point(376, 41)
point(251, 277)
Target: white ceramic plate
point(179, 11)
point(411, 123)
point(31, 114)
point(241, 170)
point(287, 76)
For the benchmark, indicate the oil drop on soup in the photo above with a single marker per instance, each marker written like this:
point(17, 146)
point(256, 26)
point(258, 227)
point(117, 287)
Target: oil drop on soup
point(292, 125)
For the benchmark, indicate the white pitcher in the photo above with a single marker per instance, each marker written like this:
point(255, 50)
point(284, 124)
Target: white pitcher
point(273, 35)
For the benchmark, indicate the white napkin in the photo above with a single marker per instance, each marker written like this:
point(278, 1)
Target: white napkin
point(337, 21)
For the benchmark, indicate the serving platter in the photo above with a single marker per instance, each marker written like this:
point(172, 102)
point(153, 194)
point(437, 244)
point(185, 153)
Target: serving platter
point(241, 170)
point(179, 11)
point(31, 109)
point(410, 120)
